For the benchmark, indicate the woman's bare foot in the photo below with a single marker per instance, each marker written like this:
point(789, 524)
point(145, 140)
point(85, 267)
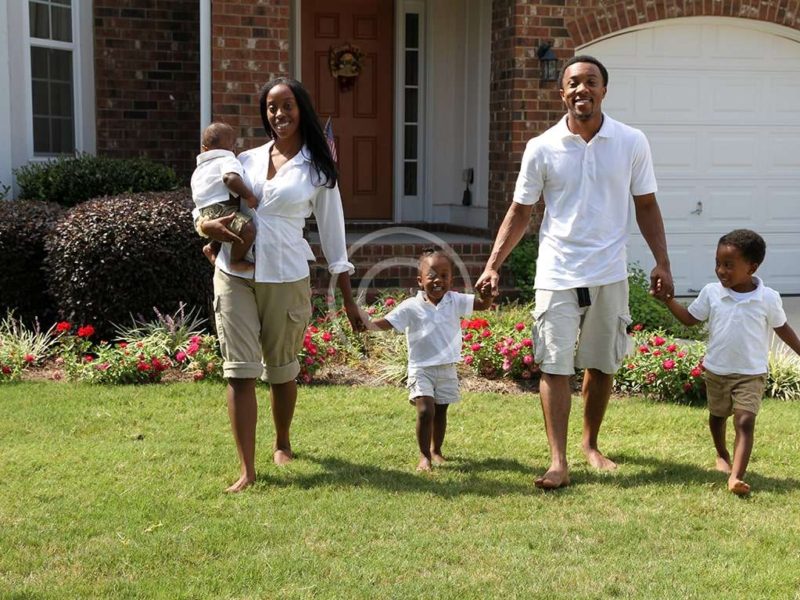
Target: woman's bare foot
point(244, 481)
point(282, 457)
point(437, 458)
point(211, 254)
point(723, 465)
point(552, 480)
point(597, 460)
point(424, 463)
point(738, 487)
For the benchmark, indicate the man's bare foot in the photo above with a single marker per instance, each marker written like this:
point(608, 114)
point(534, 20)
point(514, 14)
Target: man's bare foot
point(241, 265)
point(211, 255)
point(424, 464)
point(723, 465)
point(437, 458)
point(552, 480)
point(738, 487)
point(244, 481)
point(282, 457)
point(597, 460)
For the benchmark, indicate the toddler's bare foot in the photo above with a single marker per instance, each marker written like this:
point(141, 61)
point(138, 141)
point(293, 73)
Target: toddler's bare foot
point(282, 457)
point(244, 481)
point(424, 463)
point(738, 487)
point(552, 480)
point(437, 458)
point(597, 460)
point(723, 465)
point(211, 255)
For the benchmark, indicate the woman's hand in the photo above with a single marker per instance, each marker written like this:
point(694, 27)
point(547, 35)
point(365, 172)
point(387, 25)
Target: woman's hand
point(217, 229)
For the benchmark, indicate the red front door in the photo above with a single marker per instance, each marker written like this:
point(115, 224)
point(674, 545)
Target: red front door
point(361, 109)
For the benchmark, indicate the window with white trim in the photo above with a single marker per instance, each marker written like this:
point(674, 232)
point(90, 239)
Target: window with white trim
point(53, 86)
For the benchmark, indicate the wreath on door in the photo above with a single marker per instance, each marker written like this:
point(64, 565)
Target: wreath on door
point(345, 63)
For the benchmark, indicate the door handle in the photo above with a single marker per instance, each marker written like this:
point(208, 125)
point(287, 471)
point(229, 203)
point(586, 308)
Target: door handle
point(697, 210)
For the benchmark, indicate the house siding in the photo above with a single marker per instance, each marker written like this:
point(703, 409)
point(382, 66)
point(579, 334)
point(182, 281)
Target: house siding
point(147, 80)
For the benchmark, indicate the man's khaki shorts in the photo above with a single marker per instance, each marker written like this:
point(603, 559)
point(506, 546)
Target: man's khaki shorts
point(223, 209)
point(727, 393)
point(599, 330)
point(260, 322)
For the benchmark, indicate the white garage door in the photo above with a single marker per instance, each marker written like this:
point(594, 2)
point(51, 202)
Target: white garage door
point(719, 100)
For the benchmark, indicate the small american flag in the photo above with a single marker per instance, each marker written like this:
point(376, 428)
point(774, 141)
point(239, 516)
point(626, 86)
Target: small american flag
point(330, 139)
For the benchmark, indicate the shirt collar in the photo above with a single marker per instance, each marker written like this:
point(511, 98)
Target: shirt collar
point(757, 293)
point(303, 155)
point(212, 154)
point(606, 129)
point(445, 299)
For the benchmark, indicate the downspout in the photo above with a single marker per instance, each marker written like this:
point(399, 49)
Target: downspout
point(205, 64)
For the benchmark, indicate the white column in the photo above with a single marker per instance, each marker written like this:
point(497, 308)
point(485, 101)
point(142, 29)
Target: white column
point(205, 63)
point(5, 97)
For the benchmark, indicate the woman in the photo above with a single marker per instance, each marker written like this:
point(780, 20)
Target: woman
point(293, 175)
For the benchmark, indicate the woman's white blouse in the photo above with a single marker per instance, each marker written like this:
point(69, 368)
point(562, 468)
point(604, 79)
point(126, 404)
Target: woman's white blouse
point(284, 203)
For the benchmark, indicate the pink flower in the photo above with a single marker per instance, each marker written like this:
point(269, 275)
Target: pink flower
point(192, 349)
point(195, 339)
point(659, 341)
point(656, 352)
point(143, 366)
point(313, 328)
point(469, 359)
point(672, 348)
point(644, 349)
point(486, 333)
point(306, 378)
point(527, 342)
point(696, 372)
point(468, 337)
point(86, 331)
point(88, 358)
point(331, 351)
point(519, 326)
point(506, 365)
point(681, 354)
point(180, 356)
point(668, 364)
point(475, 347)
point(371, 310)
point(503, 350)
point(326, 336)
point(309, 360)
point(123, 345)
point(389, 302)
point(527, 359)
point(638, 327)
point(29, 358)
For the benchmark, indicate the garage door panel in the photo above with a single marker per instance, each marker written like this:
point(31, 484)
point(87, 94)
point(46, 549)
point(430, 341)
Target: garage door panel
point(673, 151)
point(782, 211)
point(735, 96)
point(781, 268)
point(733, 152)
point(783, 152)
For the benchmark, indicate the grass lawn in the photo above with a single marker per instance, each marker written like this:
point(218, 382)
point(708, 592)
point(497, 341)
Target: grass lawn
point(118, 492)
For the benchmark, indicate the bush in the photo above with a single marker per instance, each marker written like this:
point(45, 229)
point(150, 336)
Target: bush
point(23, 228)
point(522, 264)
point(111, 258)
point(783, 380)
point(72, 180)
point(5, 191)
point(653, 314)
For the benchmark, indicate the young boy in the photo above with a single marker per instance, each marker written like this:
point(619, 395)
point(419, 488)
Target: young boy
point(740, 311)
point(217, 176)
point(431, 321)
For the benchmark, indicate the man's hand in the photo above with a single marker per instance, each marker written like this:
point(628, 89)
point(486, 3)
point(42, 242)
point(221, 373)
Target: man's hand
point(355, 317)
point(488, 283)
point(217, 229)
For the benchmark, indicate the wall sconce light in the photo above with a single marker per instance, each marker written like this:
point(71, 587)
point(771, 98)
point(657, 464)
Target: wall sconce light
point(548, 62)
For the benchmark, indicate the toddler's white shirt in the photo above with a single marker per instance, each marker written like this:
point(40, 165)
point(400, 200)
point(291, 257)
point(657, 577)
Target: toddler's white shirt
point(207, 185)
point(738, 331)
point(433, 332)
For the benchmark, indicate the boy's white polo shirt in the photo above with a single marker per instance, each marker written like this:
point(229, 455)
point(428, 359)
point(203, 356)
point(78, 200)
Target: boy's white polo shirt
point(433, 332)
point(587, 190)
point(738, 331)
point(207, 185)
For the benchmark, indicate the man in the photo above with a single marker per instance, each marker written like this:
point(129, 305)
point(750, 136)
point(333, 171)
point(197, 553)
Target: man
point(585, 168)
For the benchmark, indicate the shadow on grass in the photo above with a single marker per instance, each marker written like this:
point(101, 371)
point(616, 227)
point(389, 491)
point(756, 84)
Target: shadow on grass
point(654, 470)
point(472, 477)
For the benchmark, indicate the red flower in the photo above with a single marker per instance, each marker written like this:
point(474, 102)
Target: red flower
point(486, 333)
point(672, 347)
point(659, 341)
point(696, 372)
point(6, 370)
point(681, 354)
point(656, 352)
point(88, 358)
point(389, 302)
point(638, 327)
point(527, 359)
point(650, 377)
point(668, 364)
point(475, 347)
point(519, 326)
point(29, 358)
point(468, 337)
point(86, 331)
point(687, 387)
point(123, 345)
point(468, 359)
point(180, 356)
point(631, 366)
point(313, 328)
point(326, 336)
point(63, 326)
point(527, 342)
point(192, 349)
point(143, 366)
point(644, 349)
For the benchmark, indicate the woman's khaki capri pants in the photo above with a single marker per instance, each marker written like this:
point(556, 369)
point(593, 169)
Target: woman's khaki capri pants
point(260, 326)
point(599, 330)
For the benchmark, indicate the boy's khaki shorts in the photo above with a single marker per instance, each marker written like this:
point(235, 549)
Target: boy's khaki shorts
point(599, 330)
point(727, 393)
point(223, 209)
point(439, 382)
point(260, 322)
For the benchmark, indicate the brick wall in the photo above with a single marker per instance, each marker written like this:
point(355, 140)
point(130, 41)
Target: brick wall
point(522, 106)
point(250, 46)
point(147, 80)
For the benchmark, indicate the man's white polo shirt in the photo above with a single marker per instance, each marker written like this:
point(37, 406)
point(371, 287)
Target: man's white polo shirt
point(587, 189)
point(433, 332)
point(738, 330)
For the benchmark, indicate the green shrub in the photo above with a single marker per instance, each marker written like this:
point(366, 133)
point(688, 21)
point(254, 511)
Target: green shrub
point(652, 314)
point(72, 180)
point(111, 258)
point(5, 191)
point(783, 379)
point(522, 264)
point(23, 228)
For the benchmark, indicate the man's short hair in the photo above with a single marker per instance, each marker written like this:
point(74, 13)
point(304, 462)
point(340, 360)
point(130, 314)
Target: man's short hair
point(583, 58)
point(751, 245)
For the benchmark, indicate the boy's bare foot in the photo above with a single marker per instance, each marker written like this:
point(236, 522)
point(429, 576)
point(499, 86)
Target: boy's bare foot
point(243, 482)
point(241, 265)
point(424, 464)
point(597, 460)
point(437, 458)
point(552, 480)
point(211, 255)
point(282, 457)
point(738, 487)
point(722, 465)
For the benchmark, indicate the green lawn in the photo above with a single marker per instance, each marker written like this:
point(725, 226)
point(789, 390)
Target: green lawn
point(117, 492)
